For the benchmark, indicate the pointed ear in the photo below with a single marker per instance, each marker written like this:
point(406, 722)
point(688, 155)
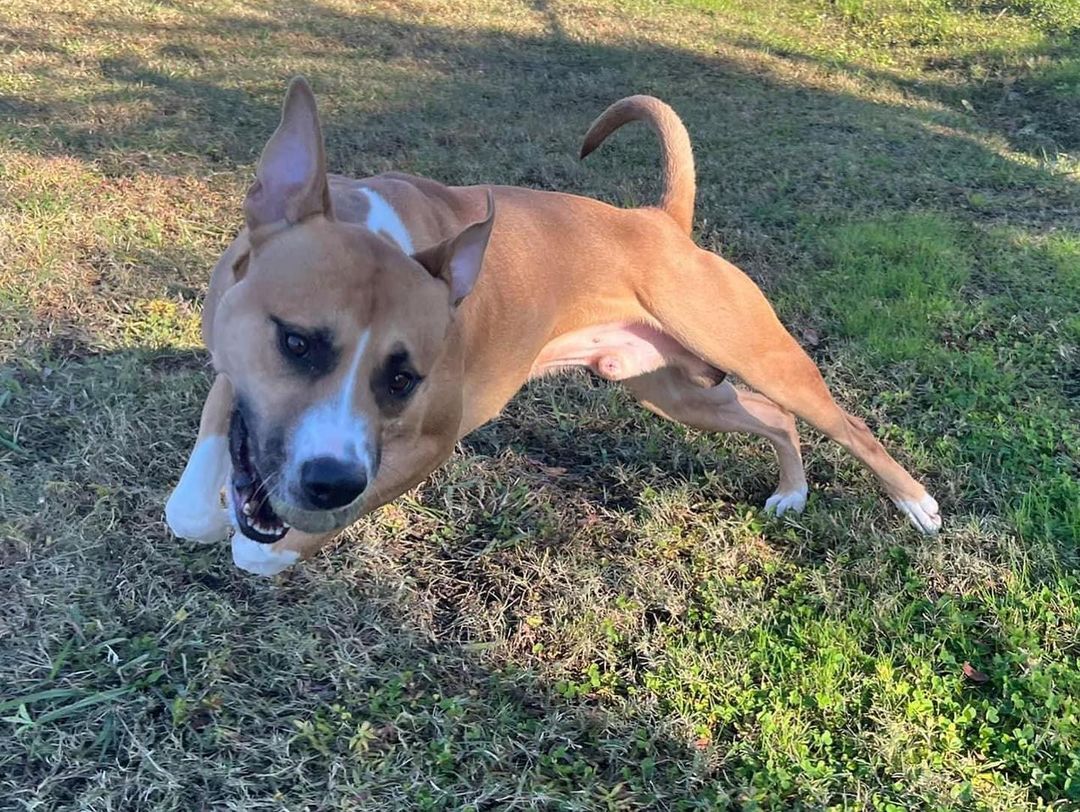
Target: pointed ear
point(290, 180)
point(457, 261)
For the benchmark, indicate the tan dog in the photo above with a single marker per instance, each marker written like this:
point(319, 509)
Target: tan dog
point(356, 339)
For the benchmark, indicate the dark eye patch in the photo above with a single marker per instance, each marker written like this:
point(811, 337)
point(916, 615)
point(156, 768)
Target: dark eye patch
point(394, 382)
point(307, 351)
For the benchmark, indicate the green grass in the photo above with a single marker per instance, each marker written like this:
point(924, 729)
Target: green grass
point(586, 608)
point(892, 283)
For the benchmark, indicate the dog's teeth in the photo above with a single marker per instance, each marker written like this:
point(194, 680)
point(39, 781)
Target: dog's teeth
point(248, 508)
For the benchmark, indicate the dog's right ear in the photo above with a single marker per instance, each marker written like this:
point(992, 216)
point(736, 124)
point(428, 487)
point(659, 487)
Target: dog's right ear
point(290, 180)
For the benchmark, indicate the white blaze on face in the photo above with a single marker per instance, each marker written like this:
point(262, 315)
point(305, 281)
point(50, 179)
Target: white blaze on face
point(332, 428)
point(382, 219)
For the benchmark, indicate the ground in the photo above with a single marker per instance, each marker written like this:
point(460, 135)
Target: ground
point(586, 608)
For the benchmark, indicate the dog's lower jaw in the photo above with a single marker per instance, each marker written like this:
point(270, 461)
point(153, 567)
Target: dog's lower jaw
point(260, 559)
point(319, 521)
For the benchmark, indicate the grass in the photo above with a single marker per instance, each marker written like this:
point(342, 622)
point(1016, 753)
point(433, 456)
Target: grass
point(586, 608)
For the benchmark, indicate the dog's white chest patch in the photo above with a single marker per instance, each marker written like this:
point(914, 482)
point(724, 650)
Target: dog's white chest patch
point(382, 219)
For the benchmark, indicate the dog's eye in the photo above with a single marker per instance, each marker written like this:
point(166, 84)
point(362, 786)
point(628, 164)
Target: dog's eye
point(394, 383)
point(401, 383)
point(296, 344)
point(307, 351)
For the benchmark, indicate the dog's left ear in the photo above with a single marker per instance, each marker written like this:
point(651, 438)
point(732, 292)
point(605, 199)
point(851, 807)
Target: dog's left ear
point(457, 261)
point(290, 180)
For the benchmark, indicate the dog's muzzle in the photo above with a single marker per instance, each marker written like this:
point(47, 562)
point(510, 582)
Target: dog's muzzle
point(332, 490)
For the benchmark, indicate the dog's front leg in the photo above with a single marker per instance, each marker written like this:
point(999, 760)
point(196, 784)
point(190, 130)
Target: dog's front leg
point(194, 509)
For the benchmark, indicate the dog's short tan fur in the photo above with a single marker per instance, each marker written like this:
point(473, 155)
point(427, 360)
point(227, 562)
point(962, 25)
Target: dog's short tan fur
point(566, 281)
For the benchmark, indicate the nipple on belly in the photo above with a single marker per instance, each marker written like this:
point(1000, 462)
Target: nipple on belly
point(611, 367)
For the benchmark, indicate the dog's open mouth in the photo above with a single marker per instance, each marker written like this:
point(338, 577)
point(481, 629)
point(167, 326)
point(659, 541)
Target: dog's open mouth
point(249, 496)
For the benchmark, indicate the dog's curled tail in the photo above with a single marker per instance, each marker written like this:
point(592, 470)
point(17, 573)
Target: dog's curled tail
point(675, 150)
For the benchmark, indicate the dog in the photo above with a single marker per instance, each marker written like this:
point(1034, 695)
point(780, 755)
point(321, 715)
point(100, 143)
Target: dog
point(360, 329)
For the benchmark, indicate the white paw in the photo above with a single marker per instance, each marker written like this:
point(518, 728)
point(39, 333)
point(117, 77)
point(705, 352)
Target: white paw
point(260, 559)
point(195, 520)
point(194, 509)
point(923, 513)
point(783, 501)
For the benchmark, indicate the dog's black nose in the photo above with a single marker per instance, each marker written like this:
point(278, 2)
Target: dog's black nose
point(329, 483)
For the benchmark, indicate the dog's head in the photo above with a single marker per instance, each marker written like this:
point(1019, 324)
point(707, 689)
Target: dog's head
point(335, 341)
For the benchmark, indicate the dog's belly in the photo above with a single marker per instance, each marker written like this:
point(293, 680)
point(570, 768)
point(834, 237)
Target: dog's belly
point(619, 351)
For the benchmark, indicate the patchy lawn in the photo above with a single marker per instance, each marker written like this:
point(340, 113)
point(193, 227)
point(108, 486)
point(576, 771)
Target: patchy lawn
point(586, 608)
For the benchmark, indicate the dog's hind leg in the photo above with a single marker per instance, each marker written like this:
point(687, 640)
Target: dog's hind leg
point(726, 321)
point(670, 393)
point(194, 509)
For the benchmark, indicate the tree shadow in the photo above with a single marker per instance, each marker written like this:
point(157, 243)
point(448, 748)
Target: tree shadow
point(1029, 96)
point(510, 98)
point(385, 641)
point(85, 519)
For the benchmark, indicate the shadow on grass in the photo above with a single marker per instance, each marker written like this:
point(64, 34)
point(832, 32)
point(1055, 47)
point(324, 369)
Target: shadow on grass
point(1030, 97)
point(401, 651)
point(179, 654)
point(494, 106)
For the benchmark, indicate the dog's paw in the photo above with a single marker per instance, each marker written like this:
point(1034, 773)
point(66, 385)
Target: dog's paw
point(260, 559)
point(783, 501)
point(923, 513)
point(195, 520)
